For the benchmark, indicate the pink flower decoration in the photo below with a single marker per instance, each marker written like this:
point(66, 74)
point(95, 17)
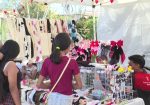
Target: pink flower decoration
point(120, 43)
point(96, 1)
point(5, 12)
point(94, 47)
point(113, 43)
point(111, 1)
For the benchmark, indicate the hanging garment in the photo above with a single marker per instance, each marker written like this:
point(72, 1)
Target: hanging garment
point(105, 50)
point(48, 26)
point(20, 39)
point(4, 30)
point(27, 43)
point(25, 26)
point(64, 26)
point(32, 49)
point(116, 52)
point(43, 26)
point(46, 44)
point(59, 26)
point(21, 26)
point(12, 29)
point(73, 31)
point(54, 28)
point(16, 35)
point(33, 27)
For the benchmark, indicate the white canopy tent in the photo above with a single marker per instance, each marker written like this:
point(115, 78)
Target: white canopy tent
point(91, 3)
point(78, 2)
point(124, 19)
point(130, 22)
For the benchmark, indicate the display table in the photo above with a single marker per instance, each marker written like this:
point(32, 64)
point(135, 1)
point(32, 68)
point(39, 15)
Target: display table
point(23, 89)
point(136, 101)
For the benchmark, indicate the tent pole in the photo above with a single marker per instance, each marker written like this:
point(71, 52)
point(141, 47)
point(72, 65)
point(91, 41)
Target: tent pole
point(28, 9)
point(94, 26)
point(46, 11)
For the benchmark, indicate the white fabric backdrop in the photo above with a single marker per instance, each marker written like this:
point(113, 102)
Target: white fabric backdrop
point(130, 22)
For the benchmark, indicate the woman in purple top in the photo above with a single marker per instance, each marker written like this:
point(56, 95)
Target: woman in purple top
point(52, 68)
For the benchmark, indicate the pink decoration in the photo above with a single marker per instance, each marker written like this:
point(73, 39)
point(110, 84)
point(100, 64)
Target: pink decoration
point(5, 12)
point(34, 32)
point(113, 43)
point(81, 1)
point(40, 52)
point(24, 82)
point(120, 43)
point(37, 58)
point(96, 1)
point(14, 10)
point(39, 42)
point(111, 1)
point(94, 47)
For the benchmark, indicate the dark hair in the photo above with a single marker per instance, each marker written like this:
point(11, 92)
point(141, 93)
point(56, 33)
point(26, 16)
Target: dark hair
point(10, 50)
point(138, 59)
point(61, 42)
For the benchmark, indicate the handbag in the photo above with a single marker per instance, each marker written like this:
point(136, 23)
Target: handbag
point(46, 101)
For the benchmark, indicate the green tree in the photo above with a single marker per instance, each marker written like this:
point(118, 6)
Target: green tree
point(85, 27)
point(38, 10)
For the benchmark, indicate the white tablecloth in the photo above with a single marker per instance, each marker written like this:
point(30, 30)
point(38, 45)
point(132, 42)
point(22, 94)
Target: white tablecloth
point(136, 101)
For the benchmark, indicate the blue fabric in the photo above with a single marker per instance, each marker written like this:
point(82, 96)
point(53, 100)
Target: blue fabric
point(59, 99)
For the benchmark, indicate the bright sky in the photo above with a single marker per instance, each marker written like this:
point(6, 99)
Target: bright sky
point(59, 8)
point(71, 9)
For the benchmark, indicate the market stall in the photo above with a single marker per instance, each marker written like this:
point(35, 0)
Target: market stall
point(104, 82)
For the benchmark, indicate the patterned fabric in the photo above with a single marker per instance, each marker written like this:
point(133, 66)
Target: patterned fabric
point(54, 28)
point(43, 26)
point(27, 45)
point(48, 26)
point(46, 44)
point(59, 26)
point(65, 26)
point(11, 25)
point(8, 101)
point(33, 28)
point(20, 26)
point(20, 39)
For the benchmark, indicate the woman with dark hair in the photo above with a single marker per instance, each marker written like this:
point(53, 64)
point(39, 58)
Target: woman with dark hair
point(137, 62)
point(53, 67)
point(9, 74)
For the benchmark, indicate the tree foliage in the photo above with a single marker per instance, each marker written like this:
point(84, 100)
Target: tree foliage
point(38, 10)
point(85, 27)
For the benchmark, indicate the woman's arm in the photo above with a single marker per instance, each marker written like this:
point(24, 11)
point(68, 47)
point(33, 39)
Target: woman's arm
point(78, 82)
point(41, 84)
point(12, 71)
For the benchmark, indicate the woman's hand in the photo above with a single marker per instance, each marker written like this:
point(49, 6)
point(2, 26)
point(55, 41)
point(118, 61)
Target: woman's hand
point(78, 82)
point(41, 84)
